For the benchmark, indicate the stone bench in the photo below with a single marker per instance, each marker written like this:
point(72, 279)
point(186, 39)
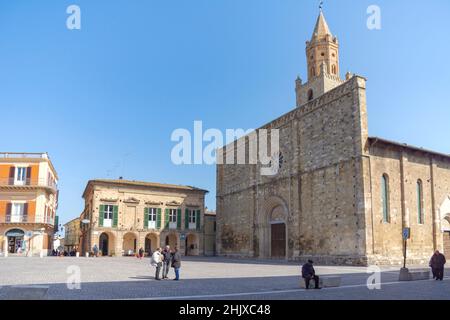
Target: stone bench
point(25, 293)
point(414, 275)
point(324, 282)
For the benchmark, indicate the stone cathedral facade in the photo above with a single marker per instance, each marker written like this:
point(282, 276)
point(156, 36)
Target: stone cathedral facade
point(340, 196)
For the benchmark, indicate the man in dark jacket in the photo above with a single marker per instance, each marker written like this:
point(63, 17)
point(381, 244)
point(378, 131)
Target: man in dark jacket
point(437, 263)
point(309, 273)
point(176, 263)
point(166, 262)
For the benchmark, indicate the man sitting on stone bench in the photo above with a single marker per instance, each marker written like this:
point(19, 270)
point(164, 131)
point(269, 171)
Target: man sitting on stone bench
point(309, 273)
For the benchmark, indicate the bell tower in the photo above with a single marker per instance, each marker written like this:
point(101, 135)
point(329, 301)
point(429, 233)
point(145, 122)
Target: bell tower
point(323, 48)
point(322, 57)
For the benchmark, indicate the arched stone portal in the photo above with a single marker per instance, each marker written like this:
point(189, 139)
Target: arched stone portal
point(151, 243)
point(272, 229)
point(106, 244)
point(129, 244)
point(192, 244)
point(172, 240)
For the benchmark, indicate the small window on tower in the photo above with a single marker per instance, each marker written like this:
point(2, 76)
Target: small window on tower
point(333, 69)
point(322, 54)
point(334, 55)
point(310, 95)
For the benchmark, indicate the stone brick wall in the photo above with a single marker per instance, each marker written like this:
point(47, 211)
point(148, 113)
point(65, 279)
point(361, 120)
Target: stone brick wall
point(320, 187)
point(404, 167)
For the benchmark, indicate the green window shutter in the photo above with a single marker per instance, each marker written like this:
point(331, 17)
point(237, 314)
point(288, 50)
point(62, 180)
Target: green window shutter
point(116, 216)
point(166, 219)
point(100, 215)
point(158, 219)
point(146, 218)
point(198, 219)
point(56, 226)
point(179, 219)
point(186, 219)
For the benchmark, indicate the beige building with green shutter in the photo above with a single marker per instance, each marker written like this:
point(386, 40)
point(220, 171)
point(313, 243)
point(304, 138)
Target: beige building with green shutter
point(123, 216)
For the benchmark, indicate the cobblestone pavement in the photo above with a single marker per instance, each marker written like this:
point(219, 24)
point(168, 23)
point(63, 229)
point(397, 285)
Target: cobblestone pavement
point(205, 278)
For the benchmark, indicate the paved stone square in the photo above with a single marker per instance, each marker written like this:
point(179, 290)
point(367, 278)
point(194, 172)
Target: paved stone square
point(205, 279)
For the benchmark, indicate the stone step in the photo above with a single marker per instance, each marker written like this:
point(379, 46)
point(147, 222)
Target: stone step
point(324, 282)
point(414, 275)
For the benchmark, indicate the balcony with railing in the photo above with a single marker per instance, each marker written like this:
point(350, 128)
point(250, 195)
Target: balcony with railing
point(16, 219)
point(26, 219)
point(27, 183)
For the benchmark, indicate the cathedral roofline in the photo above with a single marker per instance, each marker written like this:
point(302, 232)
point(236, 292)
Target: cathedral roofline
point(374, 140)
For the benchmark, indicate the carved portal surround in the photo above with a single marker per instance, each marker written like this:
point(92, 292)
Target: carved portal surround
point(272, 211)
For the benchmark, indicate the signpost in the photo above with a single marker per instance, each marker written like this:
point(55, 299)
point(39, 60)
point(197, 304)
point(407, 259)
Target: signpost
point(404, 272)
point(406, 235)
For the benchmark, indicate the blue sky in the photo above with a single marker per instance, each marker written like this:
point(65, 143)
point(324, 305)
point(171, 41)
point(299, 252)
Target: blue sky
point(104, 100)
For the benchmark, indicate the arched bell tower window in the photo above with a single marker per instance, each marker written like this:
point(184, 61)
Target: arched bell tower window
point(310, 94)
point(334, 69)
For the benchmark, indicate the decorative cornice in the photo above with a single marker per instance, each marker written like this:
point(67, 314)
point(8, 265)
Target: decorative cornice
point(154, 203)
point(109, 199)
point(173, 203)
point(132, 200)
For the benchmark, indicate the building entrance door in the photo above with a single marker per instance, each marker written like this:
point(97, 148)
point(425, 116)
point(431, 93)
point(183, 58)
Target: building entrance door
point(278, 240)
point(104, 244)
point(15, 240)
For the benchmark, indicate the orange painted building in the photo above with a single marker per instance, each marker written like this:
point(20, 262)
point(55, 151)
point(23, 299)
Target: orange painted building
point(28, 203)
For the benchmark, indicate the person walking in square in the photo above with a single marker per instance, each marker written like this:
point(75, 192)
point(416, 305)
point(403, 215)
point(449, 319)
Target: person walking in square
point(157, 260)
point(176, 263)
point(437, 264)
point(95, 249)
point(309, 273)
point(166, 263)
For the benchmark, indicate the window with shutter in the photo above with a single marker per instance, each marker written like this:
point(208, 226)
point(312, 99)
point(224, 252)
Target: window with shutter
point(186, 219)
point(198, 219)
point(8, 212)
point(28, 181)
point(166, 219)
point(146, 218)
point(100, 215)
point(179, 219)
point(116, 216)
point(25, 212)
point(192, 225)
point(158, 219)
point(12, 175)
